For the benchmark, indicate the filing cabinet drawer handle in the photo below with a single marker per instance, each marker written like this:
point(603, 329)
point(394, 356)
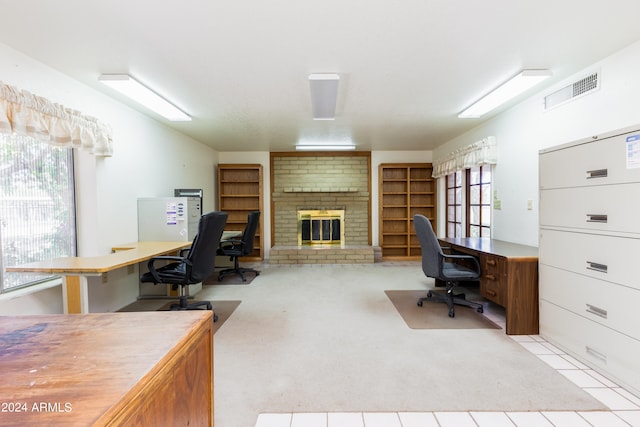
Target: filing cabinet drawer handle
point(491, 293)
point(595, 353)
point(597, 173)
point(491, 262)
point(490, 277)
point(602, 268)
point(596, 218)
point(600, 312)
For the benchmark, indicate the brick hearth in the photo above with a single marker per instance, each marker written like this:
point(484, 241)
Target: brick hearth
point(318, 254)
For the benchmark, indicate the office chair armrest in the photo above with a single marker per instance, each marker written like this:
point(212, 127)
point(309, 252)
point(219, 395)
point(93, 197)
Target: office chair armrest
point(184, 252)
point(230, 244)
point(154, 272)
point(466, 258)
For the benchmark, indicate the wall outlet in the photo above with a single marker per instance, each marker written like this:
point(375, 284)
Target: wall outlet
point(530, 205)
point(497, 204)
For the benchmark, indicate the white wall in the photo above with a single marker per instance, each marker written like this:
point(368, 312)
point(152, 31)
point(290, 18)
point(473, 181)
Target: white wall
point(149, 160)
point(526, 128)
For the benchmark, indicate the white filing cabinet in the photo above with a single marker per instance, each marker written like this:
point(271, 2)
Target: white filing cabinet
point(589, 252)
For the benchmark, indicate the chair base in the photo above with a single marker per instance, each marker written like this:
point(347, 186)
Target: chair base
point(237, 270)
point(184, 305)
point(451, 300)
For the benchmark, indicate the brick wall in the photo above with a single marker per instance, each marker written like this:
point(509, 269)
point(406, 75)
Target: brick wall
point(320, 182)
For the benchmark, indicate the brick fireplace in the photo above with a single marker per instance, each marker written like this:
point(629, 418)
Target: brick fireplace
point(318, 182)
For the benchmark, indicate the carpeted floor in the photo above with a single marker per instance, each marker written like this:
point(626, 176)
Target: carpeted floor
point(328, 339)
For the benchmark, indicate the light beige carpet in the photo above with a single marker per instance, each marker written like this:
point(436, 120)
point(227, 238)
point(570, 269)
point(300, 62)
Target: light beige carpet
point(328, 339)
point(435, 315)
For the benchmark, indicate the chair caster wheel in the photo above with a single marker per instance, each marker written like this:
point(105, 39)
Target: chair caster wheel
point(419, 303)
point(429, 294)
point(215, 317)
point(480, 310)
point(452, 313)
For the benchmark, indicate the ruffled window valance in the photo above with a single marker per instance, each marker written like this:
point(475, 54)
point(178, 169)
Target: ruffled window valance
point(483, 152)
point(29, 115)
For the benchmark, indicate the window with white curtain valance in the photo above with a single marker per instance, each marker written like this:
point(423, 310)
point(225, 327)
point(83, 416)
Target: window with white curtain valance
point(483, 152)
point(25, 114)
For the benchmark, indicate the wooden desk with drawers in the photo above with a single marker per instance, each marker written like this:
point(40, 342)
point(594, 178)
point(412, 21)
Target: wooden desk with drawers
point(509, 278)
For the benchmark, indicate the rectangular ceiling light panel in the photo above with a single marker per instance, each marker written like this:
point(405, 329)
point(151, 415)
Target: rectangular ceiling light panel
point(133, 89)
point(325, 147)
point(324, 95)
point(515, 86)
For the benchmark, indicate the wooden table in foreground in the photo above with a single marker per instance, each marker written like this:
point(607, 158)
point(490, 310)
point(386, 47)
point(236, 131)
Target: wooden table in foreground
point(75, 270)
point(509, 278)
point(107, 369)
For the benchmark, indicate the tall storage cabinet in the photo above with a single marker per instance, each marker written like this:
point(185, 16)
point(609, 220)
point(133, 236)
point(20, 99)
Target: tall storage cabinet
point(240, 192)
point(588, 252)
point(405, 189)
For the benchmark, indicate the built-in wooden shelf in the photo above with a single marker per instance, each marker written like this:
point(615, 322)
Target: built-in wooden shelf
point(405, 189)
point(240, 192)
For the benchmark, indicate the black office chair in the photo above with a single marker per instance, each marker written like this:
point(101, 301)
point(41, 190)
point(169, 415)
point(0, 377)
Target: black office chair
point(445, 267)
point(235, 248)
point(197, 265)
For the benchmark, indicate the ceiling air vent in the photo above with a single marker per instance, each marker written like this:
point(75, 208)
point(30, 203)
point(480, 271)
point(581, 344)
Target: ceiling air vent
point(572, 91)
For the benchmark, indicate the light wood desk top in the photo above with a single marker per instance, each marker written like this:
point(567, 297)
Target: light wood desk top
point(76, 270)
point(492, 247)
point(107, 369)
point(123, 255)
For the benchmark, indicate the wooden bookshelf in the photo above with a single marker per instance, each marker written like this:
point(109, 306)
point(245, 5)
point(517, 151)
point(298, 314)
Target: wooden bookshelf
point(240, 192)
point(405, 189)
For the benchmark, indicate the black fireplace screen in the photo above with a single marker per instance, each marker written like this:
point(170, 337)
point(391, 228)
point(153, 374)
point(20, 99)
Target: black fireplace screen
point(320, 227)
point(320, 230)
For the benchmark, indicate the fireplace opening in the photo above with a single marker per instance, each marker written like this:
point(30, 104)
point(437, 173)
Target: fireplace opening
point(316, 227)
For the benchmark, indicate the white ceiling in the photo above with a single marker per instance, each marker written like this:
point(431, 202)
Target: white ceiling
point(240, 67)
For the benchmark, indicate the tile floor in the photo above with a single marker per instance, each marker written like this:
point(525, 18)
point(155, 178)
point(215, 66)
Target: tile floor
point(624, 406)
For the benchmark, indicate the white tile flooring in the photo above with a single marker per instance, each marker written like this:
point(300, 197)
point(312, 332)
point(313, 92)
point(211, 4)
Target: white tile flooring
point(624, 406)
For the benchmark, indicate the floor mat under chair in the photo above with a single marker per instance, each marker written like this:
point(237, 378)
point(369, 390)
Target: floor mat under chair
point(435, 315)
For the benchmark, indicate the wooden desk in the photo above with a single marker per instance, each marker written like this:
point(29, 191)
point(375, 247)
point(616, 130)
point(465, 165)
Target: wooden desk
point(98, 370)
point(509, 278)
point(76, 270)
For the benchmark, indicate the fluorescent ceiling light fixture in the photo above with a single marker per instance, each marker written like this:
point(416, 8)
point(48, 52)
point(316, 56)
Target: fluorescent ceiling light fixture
point(325, 146)
point(518, 84)
point(128, 86)
point(324, 95)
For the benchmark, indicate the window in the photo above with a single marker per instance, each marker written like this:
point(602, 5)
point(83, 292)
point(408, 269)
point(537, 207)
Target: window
point(479, 201)
point(454, 204)
point(37, 206)
point(476, 199)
